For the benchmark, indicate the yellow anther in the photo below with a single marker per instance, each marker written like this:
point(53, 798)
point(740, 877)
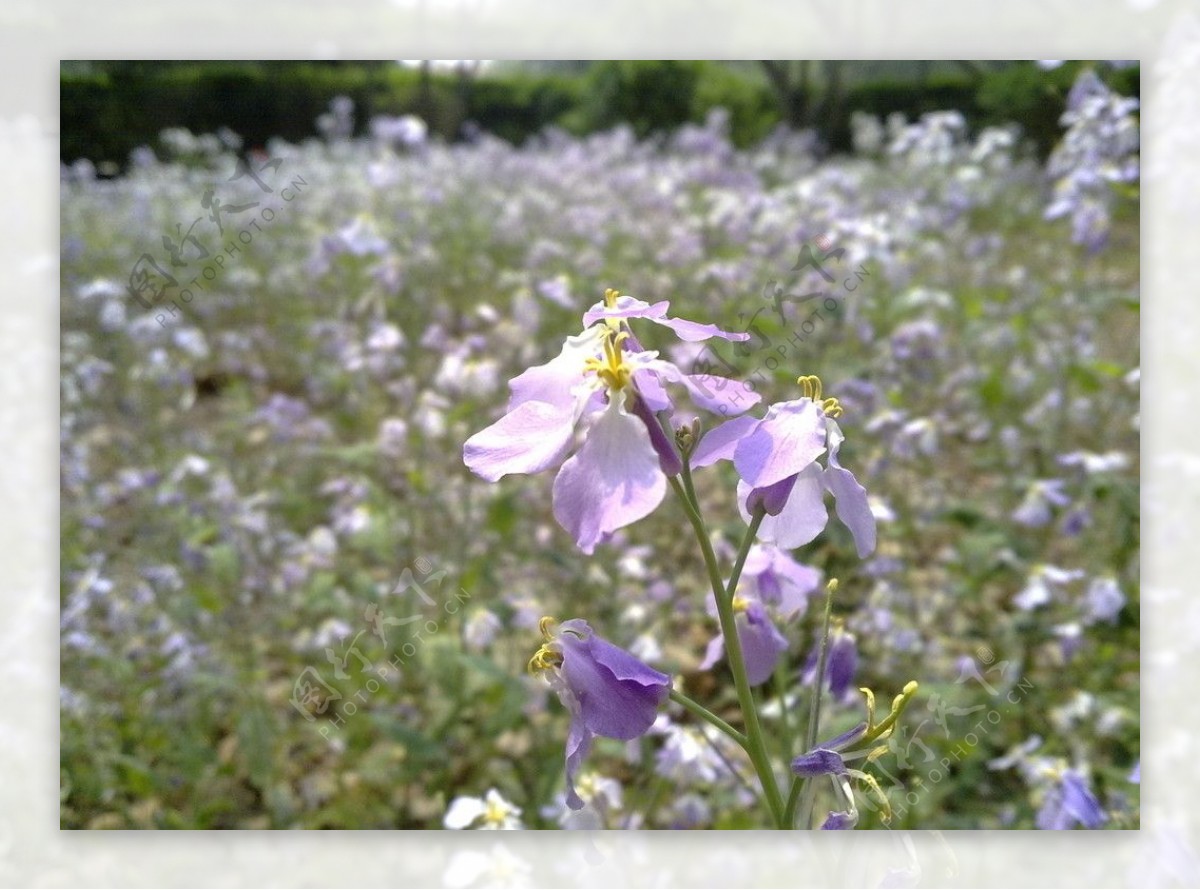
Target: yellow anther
point(812, 390)
point(740, 604)
point(544, 626)
point(812, 386)
point(832, 586)
point(610, 297)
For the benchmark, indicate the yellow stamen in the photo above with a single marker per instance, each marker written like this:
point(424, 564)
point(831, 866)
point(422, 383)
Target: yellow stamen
point(610, 297)
point(544, 659)
point(740, 604)
point(544, 626)
point(612, 369)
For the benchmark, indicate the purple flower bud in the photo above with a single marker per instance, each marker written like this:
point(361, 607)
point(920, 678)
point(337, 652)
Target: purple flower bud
point(819, 762)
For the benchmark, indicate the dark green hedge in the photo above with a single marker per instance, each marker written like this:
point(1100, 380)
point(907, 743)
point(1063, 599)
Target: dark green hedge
point(105, 115)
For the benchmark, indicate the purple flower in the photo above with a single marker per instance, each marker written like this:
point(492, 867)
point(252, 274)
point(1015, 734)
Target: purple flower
point(840, 665)
point(1035, 509)
point(607, 691)
point(762, 643)
point(1070, 803)
point(776, 458)
point(605, 380)
point(1103, 600)
point(779, 580)
point(826, 760)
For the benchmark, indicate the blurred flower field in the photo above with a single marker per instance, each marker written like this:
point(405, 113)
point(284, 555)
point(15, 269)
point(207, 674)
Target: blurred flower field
point(286, 603)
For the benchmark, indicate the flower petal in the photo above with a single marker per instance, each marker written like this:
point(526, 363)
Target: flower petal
point(803, 516)
point(615, 479)
point(850, 498)
point(668, 457)
point(554, 382)
point(463, 811)
point(618, 695)
point(719, 395)
point(786, 441)
point(762, 643)
point(579, 743)
point(819, 762)
point(713, 652)
point(626, 307)
point(695, 332)
point(719, 443)
point(631, 307)
point(528, 439)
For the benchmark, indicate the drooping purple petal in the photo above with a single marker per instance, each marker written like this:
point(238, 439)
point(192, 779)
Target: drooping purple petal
point(841, 663)
point(1079, 802)
point(618, 695)
point(850, 498)
point(785, 442)
point(532, 437)
point(579, 743)
point(615, 479)
point(668, 457)
point(762, 643)
point(819, 762)
point(802, 518)
point(772, 499)
point(719, 443)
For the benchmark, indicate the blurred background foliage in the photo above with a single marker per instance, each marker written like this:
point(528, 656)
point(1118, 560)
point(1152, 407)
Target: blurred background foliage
point(110, 108)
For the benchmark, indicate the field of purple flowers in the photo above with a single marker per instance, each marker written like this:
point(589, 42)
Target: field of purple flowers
point(286, 602)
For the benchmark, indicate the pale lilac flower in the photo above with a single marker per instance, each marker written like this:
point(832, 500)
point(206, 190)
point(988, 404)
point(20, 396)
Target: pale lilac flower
point(776, 458)
point(840, 665)
point(1070, 803)
point(762, 643)
point(1042, 584)
point(1103, 600)
point(607, 691)
point(779, 581)
point(1035, 508)
point(603, 379)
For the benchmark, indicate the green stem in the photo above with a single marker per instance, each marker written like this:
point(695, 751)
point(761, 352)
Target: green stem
point(755, 743)
point(705, 714)
point(789, 810)
point(814, 714)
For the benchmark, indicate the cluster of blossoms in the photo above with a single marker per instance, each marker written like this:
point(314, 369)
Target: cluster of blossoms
point(605, 382)
point(1098, 151)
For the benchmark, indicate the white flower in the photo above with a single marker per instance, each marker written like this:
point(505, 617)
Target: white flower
point(495, 812)
point(480, 629)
